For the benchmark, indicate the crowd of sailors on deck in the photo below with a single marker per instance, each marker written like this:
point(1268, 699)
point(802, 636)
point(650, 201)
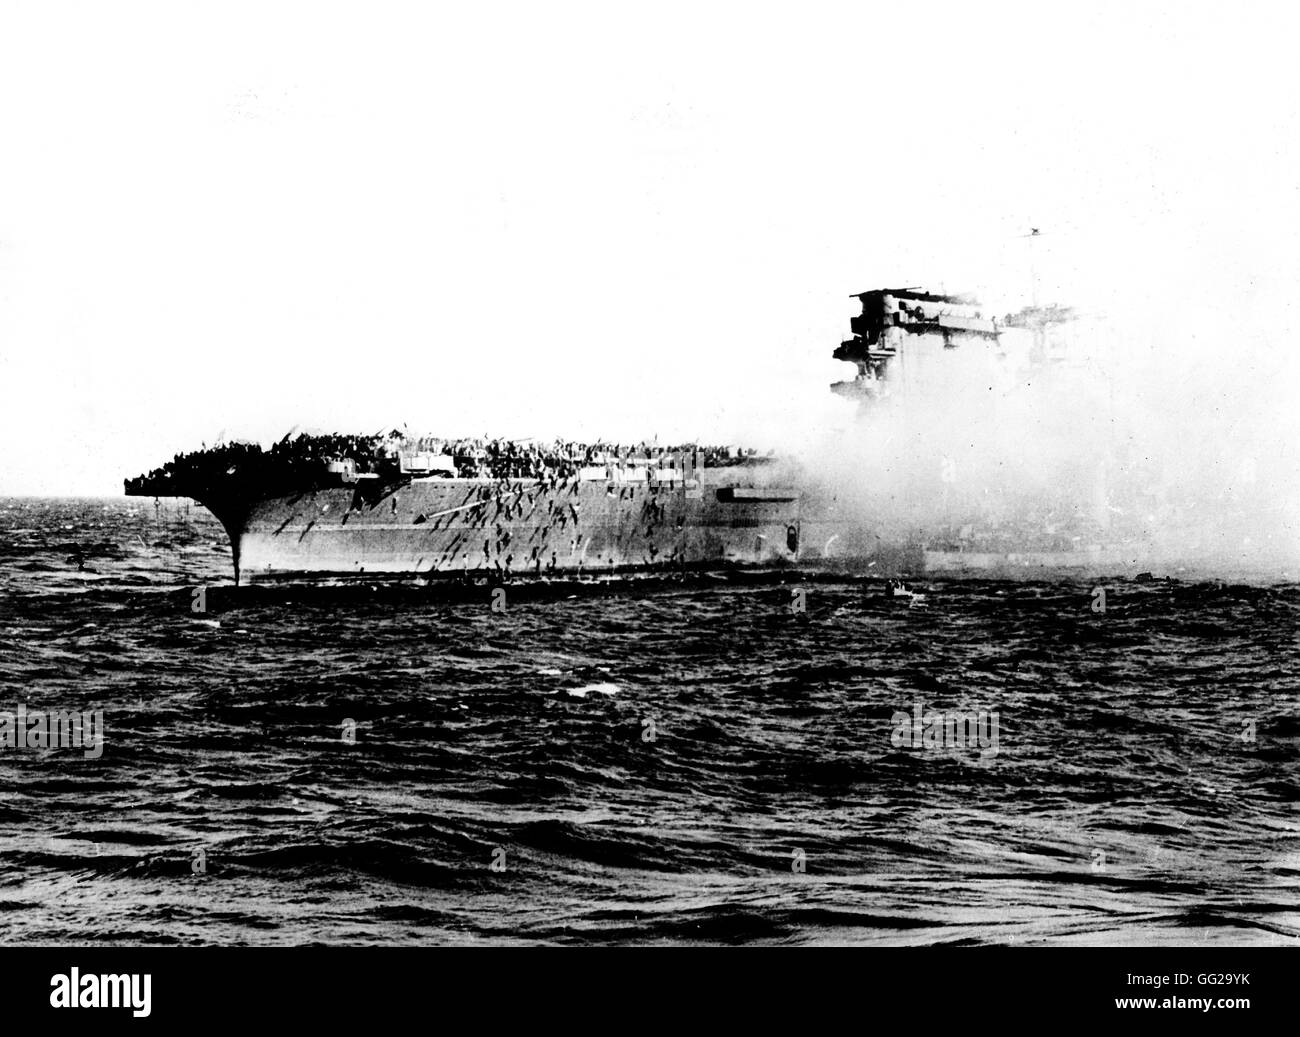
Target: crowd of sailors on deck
point(531, 459)
point(471, 458)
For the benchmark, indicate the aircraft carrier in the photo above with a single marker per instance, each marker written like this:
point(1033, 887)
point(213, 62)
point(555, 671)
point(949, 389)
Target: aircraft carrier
point(364, 507)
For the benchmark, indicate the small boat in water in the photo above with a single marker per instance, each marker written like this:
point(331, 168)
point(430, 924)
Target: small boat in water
point(898, 589)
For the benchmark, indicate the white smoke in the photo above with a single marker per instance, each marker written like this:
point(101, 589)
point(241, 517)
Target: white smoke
point(1176, 439)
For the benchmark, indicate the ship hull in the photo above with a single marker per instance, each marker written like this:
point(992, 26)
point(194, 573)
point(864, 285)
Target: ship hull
point(1030, 564)
point(436, 527)
point(517, 529)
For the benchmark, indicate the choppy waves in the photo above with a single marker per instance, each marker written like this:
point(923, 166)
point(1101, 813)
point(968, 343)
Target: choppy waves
point(701, 763)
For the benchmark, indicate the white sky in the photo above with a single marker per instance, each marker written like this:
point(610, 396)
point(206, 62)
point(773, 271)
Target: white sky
point(592, 220)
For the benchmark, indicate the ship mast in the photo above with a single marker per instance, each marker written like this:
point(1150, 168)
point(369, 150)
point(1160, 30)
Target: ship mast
point(1032, 236)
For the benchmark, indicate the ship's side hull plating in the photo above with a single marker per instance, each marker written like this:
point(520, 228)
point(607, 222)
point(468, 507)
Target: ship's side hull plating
point(520, 527)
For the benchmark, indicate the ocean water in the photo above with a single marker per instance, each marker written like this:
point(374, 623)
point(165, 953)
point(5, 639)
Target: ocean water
point(711, 761)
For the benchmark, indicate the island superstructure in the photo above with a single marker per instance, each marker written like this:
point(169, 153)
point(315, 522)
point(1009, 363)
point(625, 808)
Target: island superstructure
point(901, 329)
